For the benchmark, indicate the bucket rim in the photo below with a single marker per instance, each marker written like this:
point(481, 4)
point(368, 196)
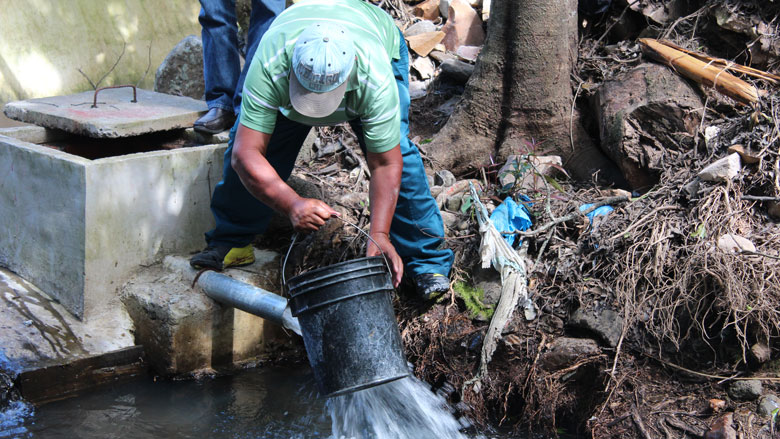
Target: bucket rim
point(363, 386)
point(319, 270)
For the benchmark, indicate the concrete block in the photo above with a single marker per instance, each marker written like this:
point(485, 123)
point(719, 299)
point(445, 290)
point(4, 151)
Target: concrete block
point(115, 115)
point(183, 330)
point(78, 228)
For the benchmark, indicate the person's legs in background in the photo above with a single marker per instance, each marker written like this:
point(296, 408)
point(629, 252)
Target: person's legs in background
point(222, 73)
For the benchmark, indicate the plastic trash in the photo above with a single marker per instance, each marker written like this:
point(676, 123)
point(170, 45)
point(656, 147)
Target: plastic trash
point(600, 211)
point(510, 216)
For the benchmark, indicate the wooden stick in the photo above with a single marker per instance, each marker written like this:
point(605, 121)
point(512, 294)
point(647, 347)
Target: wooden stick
point(700, 71)
point(726, 64)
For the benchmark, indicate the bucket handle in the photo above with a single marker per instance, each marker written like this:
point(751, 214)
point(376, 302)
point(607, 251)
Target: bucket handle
point(295, 236)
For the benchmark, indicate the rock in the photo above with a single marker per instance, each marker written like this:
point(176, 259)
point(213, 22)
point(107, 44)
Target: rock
point(661, 13)
point(722, 170)
point(444, 8)
point(542, 165)
point(421, 27)
point(444, 178)
point(428, 10)
point(453, 202)
point(441, 55)
point(745, 390)
point(565, 351)
point(181, 72)
point(436, 190)
point(457, 71)
point(422, 44)
point(767, 405)
point(551, 324)
point(463, 27)
point(418, 89)
point(424, 67)
point(450, 220)
point(761, 352)
point(605, 323)
point(448, 106)
point(748, 157)
point(489, 281)
point(691, 189)
point(764, 47)
point(641, 115)
point(468, 53)
point(721, 428)
point(773, 209)
point(711, 137)
point(731, 243)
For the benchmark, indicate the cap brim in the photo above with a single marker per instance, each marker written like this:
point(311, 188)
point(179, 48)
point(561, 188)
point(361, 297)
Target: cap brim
point(312, 104)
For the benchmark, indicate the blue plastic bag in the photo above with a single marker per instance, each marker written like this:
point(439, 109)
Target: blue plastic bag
point(509, 217)
point(599, 211)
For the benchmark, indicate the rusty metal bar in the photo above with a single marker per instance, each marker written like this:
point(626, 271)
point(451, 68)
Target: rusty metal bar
point(94, 100)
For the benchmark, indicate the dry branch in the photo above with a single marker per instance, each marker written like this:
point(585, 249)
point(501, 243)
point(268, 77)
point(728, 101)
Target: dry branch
point(700, 71)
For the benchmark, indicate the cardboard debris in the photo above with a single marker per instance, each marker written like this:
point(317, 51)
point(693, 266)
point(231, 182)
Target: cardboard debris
point(423, 44)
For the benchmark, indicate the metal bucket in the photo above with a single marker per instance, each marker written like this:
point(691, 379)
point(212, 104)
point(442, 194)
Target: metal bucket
point(348, 325)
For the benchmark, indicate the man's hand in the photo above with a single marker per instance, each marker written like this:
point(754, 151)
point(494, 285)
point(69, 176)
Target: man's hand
point(396, 264)
point(309, 214)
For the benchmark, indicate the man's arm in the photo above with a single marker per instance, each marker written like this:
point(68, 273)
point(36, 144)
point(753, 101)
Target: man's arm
point(386, 171)
point(262, 181)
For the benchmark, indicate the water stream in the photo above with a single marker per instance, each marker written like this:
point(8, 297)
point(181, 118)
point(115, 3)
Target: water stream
point(267, 403)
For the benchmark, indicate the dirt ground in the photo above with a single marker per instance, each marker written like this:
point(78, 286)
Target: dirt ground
point(686, 325)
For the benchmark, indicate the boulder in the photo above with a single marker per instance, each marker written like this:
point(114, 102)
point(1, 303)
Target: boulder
point(418, 89)
point(767, 405)
point(644, 114)
point(745, 390)
point(421, 27)
point(565, 351)
point(722, 170)
point(731, 243)
point(427, 10)
point(444, 178)
point(604, 322)
point(457, 71)
point(463, 27)
point(468, 53)
point(181, 72)
point(424, 67)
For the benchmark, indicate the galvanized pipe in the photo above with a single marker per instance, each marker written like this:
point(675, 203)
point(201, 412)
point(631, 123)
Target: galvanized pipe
point(228, 291)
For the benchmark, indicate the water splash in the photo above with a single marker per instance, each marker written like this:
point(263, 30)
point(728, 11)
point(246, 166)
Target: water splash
point(400, 409)
point(13, 411)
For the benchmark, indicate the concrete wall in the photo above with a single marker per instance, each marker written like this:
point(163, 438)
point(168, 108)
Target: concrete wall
point(78, 228)
point(43, 43)
point(42, 221)
point(141, 207)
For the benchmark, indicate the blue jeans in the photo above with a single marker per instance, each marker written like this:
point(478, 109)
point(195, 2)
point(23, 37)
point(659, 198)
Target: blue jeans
point(221, 61)
point(417, 231)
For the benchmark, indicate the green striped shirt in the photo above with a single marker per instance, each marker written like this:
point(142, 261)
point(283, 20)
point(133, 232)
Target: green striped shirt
point(372, 93)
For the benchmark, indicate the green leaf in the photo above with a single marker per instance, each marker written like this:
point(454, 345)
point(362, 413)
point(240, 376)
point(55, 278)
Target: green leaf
point(554, 183)
point(424, 141)
point(701, 232)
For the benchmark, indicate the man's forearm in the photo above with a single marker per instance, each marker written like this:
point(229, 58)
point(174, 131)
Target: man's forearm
point(386, 169)
point(257, 174)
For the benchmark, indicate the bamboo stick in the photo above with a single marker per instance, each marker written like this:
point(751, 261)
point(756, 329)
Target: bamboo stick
point(728, 65)
point(700, 71)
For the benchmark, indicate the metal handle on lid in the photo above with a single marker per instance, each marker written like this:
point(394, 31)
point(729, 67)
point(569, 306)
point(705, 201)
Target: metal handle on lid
point(295, 236)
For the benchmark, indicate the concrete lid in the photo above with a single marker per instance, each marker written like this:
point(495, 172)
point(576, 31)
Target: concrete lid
point(115, 115)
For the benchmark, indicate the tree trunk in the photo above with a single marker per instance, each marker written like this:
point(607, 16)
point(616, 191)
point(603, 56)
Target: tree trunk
point(520, 91)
